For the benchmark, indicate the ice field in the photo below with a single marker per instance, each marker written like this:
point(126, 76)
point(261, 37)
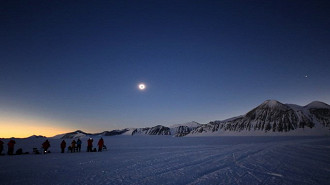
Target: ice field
point(170, 160)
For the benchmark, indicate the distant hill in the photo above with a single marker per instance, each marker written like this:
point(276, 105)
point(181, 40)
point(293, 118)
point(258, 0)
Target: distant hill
point(175, 130)
point(81, 134)
point(35, 136)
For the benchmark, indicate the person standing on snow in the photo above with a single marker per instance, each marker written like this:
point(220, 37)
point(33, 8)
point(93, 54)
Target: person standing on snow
point(63, 145)
point(100, 144)
point(45, 146)
point(90, 145)
point(1, 146)
point(11, 145)
point(78, 145)
point(73, 146)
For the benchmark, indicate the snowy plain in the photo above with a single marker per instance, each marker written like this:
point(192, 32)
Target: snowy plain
point(171, 160)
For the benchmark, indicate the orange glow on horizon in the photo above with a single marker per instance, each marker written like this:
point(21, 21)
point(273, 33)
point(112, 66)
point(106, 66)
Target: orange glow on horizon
point(26, 131)
point(23, 127)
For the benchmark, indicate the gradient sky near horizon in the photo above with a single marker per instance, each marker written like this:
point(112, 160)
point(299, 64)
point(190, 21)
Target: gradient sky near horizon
point(67, 65)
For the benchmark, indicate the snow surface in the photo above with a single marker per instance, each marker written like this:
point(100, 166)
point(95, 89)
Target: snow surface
point(169, 160)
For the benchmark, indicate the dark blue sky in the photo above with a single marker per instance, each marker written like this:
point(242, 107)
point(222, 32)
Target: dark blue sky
point(78, 64)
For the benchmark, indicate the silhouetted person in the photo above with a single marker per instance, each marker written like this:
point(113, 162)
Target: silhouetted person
point(73, 146)
point(45, 146)
point(63, 145)
point(90, 145)
point(11, 145)
point(1, 146)
point(78, 145)
point(100, 144)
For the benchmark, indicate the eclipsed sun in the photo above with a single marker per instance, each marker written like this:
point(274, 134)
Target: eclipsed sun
point(142, 86)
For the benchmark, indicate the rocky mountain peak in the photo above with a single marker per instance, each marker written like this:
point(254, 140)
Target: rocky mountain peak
point(273, 104)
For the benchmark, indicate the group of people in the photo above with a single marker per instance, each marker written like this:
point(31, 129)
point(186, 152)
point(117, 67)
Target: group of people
point(10, 144)
point(74, 147)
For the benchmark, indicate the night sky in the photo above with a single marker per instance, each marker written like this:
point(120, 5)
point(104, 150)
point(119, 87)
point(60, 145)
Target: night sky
point(68, 65)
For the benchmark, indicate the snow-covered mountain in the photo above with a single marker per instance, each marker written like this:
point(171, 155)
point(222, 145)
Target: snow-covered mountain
point(269, 118)
point(177, 130)
point(192, 124)
point(320, 112)
point(156, 130)
point(273, 116)
point(72, 135)
point(113, 132)
point(180, 130)
point(81, 134)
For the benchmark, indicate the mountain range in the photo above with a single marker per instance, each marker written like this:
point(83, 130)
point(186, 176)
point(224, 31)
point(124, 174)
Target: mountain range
point(269, 118)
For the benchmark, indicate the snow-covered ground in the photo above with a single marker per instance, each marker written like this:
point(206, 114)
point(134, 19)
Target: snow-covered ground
point(172, 160)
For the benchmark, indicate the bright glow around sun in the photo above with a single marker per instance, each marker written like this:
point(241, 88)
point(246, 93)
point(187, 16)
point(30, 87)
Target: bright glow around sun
point(142, 86)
